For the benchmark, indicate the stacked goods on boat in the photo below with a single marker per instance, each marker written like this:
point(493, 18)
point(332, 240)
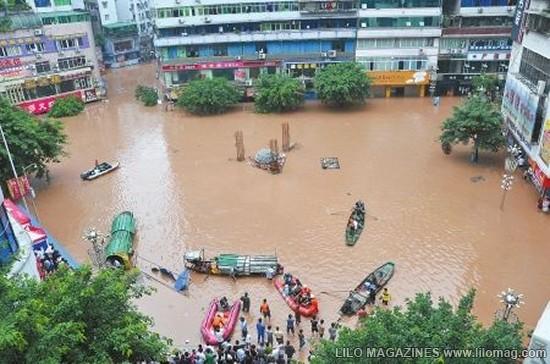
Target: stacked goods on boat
point(233, 264)
point(119, 250)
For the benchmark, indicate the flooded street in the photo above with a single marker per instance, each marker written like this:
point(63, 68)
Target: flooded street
point(179, 177)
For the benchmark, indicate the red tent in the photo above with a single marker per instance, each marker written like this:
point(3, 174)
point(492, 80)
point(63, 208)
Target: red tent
point(37, 234)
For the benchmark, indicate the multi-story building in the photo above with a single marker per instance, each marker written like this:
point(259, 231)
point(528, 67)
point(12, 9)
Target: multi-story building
point(526, 101)
point(46, 55)
point(398, 41)
point(475, 39)
point(125, 28)
point(241, 40)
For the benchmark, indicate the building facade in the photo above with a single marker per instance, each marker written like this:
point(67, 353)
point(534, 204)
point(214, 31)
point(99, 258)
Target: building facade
point(476, 39)
point(526, 102)
point(46, 55)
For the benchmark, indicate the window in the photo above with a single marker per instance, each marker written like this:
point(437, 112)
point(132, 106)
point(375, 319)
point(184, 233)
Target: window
point(220, 51)
point(106, 17)
point(123, 46)
point(104, 4)
point(35, 47)
point(72, 62)
point(42, 67)
point(62, 2)
point(10, 51)
point(42, 3)
point(69, 43)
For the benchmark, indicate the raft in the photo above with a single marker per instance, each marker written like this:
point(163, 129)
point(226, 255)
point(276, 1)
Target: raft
point(99, 170)
point(359, 297)
point(352, 235)
point(119, 250)
point(230, 320)
point(306, 311)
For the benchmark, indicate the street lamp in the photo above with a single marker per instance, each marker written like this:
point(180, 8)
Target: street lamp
point(511, 300)
point(11, 163)
point(97, 253)
point(510, 165)
point(33, 194)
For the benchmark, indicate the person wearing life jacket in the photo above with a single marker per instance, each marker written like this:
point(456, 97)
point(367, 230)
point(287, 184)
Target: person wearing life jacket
point(217, 322)
point(314, 303)
point(386, 297)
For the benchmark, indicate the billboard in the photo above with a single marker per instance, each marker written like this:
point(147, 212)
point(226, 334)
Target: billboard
point(545, 142)
point(520, 105)
point(519, 20)
point(18, 187)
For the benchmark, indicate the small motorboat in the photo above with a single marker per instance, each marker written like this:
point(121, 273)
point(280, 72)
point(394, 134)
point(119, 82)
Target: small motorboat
point(99, 170)
point(228, 318)
point(292, 302)
point(366, 291)
point(356, 223)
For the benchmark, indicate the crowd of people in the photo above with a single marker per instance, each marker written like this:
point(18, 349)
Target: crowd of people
point(271, 344)
point(48, 261)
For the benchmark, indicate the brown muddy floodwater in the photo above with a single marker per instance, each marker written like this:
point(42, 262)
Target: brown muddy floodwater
point(444, 232)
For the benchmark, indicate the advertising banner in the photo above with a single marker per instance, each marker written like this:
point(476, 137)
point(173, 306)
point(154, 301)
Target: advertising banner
point(545, 142)
point(218, 65)
point(520, 105)
point(519, 20)
point(18, 187)
point(44, 105)
point(399, 78)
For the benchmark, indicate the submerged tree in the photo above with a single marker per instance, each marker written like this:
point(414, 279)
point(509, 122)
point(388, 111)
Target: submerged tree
point(476, 120)
point(208, 96)
point(424, 325)
point(488, 86)
point(75, 317)
point(147, 95)
point(278, 93)
point(342, 84)
point(66, 106)
point(32, 142)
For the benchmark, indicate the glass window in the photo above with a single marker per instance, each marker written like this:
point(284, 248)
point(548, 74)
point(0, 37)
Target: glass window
point(35, 47)
point(62, 2)
point(123, 46)
point(72, 62)
point(43, 91)
point(66, 86)
point(42, 67)
point(69, 43)
point(10, 51)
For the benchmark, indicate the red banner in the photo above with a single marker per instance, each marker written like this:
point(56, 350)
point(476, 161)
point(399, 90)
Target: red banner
point(18, 190)
point(10, 62)
point(218, 65)
point(41, 106)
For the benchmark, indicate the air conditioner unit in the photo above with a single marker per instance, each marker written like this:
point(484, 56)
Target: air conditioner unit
point(38, 56)
point(248, 82)
point(77, 50)
point(324, 54)
point(184, 34)
point(331, 53)
point(408, 23)
point(541, 85)
point(238, 58)
point(262, 56)
point(207, 20)
point(61, 54)
point(181, 21)
point(454, 51)
point(480, 10)
point(38, 32)
point(178, 1)
point(510, 9)
point(363, 25)
point(363, 6)
point(421, 23)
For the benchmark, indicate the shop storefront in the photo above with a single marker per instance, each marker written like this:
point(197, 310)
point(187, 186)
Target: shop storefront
point(399, 83)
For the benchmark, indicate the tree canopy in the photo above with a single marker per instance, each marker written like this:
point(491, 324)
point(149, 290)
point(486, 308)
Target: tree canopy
point(31, 141)
point(342, 84)
point(66, 106)
point(208, 96)
point(278, 93)
point(75, 317)
point(147, 95)
point(477, 120)
point(422, 324)
point(487, 86)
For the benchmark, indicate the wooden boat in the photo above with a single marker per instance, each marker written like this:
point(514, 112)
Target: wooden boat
point(119, 250)
point(306, 311)
point(356, 223)
point(230, 318)
point(233, 264)
point(99, 170)
point(362, 295)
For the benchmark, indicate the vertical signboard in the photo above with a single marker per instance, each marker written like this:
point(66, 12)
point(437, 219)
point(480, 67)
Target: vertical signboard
point(519, 20)
point(520, 106)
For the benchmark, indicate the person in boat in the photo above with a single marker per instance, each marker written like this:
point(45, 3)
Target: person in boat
point(287, 278)
point(217, 322)
point(224, 304)
point(296, 289)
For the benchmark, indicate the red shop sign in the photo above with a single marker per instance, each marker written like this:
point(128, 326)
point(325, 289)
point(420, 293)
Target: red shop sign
point(218, 65)
point(43, 105)
point(10, 63)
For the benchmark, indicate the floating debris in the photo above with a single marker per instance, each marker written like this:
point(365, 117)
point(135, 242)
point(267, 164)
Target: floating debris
point(330, 163)
point(267, 160)
point(477, 179)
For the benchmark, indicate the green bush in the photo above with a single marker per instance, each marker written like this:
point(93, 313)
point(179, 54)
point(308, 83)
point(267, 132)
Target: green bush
point(208, 96)
point(278, 93)
point(342, 84)
point(66, 106)
point(147, 95)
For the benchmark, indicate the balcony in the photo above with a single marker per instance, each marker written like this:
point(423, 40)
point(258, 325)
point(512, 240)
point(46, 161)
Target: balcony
point(227, 19)
point(396, 12)
point(487, 11)
point(477, 31)
point(282, 35)
point(408, 32)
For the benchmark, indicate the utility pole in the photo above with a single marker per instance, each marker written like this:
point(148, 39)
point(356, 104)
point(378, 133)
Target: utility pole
point(13, 167)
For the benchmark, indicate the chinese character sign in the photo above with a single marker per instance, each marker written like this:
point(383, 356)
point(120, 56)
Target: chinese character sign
point(18, 187)
point(520, 105)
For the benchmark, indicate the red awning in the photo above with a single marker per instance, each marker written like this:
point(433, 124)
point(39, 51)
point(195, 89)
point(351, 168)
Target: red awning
point(36, 233)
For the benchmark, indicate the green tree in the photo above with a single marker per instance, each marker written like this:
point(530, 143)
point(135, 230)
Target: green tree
point(424, 325)
point(278, 93)
point(342, 84)
point(147, 95)
point(75, 317)
point(488, 86)
point(31, 141)
point(477, 120)
point(208, 96)
point(66, 106)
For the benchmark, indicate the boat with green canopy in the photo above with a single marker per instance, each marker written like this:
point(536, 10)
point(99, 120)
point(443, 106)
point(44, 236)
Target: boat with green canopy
point(233, 264)
point(119, 250)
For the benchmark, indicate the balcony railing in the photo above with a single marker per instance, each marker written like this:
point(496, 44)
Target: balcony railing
point(287, 57)
point(497, 30)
